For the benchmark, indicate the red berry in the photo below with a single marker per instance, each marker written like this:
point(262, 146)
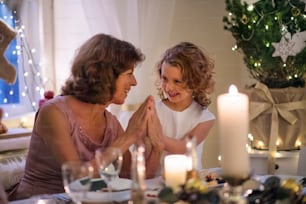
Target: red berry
point(48, 94)
point(209, 178)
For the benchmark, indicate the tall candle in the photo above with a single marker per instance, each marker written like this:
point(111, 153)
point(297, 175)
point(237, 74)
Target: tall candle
point(175, 167)
point(233, 118)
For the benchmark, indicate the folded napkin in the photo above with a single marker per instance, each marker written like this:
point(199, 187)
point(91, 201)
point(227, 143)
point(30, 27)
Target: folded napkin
point(118, 184)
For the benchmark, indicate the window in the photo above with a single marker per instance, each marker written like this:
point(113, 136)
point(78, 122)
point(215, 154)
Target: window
point(23, 96)
point(9, 94)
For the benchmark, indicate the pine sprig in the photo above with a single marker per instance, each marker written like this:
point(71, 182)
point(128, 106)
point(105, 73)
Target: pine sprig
point(256, 29)
point(275, 191)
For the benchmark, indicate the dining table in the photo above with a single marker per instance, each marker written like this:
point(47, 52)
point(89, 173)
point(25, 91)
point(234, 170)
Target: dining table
point(122, 194)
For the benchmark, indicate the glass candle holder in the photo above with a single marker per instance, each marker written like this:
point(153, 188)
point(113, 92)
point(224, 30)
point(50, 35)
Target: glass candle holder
point(233, 190)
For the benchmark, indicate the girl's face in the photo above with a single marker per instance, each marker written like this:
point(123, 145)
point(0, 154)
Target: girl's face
point(123, 85)
point(173, 85)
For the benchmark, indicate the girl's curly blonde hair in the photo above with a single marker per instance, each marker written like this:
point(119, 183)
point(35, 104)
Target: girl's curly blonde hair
point(196, 67)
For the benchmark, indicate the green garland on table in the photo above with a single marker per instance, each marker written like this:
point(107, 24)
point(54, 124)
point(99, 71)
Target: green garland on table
point(271, 34)
point(194, 191)
point(274, 192)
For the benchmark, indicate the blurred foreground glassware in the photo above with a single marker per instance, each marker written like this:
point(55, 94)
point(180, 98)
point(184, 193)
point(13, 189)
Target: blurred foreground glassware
point(138, 170)
point(43, 199)
point(109, 163)
point(191, 153)
point(77, 179)
point(233, 192)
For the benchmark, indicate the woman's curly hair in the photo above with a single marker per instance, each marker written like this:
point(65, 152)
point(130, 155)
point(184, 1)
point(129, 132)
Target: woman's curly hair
point(97, 66)
point(196, 67)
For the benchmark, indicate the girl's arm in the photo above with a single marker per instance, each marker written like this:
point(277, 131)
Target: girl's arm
point(178, 146)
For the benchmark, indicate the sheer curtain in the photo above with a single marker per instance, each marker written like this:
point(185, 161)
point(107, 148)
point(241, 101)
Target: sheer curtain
point(145, 23)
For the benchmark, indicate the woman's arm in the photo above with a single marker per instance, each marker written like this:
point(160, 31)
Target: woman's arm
point(52, 126)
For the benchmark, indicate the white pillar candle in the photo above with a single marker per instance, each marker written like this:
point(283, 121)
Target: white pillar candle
point(233, 118)
point(175, 167)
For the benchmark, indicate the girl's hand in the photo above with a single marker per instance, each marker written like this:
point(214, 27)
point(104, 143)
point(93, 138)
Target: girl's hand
point(137, 125)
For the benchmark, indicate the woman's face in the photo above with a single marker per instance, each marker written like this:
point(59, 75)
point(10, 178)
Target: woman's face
point(123, 85)
point(173, 85)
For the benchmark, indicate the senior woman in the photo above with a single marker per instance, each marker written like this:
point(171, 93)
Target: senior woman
point(72, 126)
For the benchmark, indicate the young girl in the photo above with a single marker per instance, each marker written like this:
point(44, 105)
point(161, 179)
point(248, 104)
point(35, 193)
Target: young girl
point(184, 84)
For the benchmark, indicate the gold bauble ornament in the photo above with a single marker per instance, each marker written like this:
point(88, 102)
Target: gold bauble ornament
point(295, 11)
point(195, 184)
point(244, 19)
point(292, 185)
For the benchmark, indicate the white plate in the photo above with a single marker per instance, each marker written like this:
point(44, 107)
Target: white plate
point(210, 186)
point(204, 172)
point(121, 184)
point(154, 183)
point(98, 197)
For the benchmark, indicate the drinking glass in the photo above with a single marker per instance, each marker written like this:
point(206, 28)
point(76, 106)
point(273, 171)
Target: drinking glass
point(109, 163)
point(77, 179)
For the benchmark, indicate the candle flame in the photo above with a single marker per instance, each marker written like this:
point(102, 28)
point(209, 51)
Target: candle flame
point(233, 89)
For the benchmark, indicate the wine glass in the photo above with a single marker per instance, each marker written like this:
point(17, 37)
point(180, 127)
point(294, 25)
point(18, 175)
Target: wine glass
point(77, 179)
point(109, 162)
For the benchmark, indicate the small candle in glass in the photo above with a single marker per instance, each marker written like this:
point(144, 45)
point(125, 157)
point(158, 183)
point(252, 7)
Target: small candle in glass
point(175, 167)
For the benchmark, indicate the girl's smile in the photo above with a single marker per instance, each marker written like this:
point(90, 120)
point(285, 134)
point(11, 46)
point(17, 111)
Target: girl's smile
point(179, 96)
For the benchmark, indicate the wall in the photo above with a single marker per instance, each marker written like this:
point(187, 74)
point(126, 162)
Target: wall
point(198, 21)
point(70, 30)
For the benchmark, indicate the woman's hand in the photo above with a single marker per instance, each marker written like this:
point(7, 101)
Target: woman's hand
point(154, 144)
point(155, 132)
point(137, 125)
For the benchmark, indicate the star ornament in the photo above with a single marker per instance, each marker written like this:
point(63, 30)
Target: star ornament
point(284, 49)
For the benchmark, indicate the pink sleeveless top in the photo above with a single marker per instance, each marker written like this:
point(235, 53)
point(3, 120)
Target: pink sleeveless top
point(42, 172)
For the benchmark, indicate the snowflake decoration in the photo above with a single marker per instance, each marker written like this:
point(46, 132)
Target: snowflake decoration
point(284, 49)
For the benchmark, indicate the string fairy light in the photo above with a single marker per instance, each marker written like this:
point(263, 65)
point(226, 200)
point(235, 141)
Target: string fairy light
point(257, 25)
point(31, 69)
point(26, 61)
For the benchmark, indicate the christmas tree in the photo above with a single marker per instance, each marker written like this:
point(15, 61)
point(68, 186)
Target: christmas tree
point(271, 35)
